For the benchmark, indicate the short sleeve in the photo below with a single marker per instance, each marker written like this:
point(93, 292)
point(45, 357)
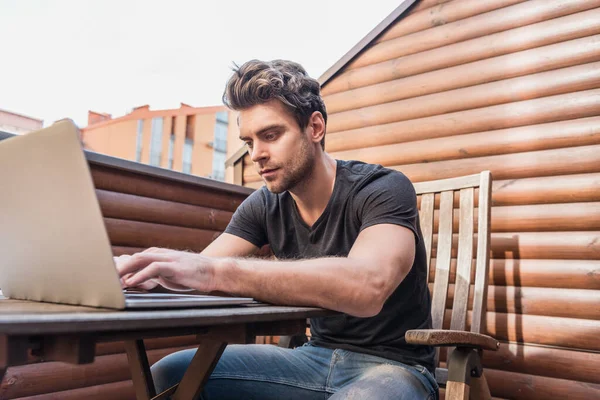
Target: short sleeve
point(248, 221)
point(388, 199)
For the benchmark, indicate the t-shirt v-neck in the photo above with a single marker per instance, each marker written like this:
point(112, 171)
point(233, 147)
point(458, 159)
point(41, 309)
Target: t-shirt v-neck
point(326, 210)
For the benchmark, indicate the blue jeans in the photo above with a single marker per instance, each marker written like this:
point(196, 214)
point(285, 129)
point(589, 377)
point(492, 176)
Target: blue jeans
point(309, 372)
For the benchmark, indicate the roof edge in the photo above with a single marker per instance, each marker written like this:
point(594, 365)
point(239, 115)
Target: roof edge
point(133, 115)
point(360, 46)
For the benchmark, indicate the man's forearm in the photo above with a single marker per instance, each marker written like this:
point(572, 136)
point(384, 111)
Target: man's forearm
point(340, 284)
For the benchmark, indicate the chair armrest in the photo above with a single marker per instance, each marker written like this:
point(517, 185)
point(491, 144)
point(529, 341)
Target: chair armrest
point(443, 337)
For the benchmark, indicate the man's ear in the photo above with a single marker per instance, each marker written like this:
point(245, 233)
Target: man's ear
point(316, 123)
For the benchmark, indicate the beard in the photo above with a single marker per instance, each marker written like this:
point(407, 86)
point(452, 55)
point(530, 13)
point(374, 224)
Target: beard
point(296, 171)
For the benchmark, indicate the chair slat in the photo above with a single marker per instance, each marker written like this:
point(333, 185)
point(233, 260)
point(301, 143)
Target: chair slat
point(464, 261)
point(443, 185)
point(444, 250)
point(426, 218)
point(483, 254)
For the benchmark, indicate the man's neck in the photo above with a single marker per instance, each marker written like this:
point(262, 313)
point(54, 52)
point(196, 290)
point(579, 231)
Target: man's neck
point(313, 194)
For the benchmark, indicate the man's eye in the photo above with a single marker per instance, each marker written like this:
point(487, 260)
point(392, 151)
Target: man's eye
point(270, 136)
point(249, 144)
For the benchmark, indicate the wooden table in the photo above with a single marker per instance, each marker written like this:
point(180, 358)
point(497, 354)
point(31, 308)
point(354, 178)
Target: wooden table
point(55, 332)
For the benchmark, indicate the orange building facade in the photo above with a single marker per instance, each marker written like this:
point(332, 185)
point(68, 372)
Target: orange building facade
point(188, 139)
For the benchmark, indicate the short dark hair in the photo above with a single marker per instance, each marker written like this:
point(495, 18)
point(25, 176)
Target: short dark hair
point(257, 82)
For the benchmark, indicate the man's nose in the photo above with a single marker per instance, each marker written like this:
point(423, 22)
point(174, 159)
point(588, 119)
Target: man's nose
point(258, 153)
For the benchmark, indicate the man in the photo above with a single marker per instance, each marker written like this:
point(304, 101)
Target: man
point(347, 238)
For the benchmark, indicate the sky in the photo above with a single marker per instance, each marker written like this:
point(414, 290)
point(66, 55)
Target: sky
point(61, 58)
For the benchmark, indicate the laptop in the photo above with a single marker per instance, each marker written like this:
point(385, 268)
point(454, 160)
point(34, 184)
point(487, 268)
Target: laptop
point(53, 243)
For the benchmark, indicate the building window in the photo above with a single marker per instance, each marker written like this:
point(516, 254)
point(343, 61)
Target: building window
point(188, 147)
point(223, 116)
point(218, 166)
point(156, 141)
point(172, 142)
point(171, 146)
point(220, 146)
point(140, 140)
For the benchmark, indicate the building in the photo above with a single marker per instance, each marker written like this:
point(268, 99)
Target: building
point(12, 122)
point(188, 139)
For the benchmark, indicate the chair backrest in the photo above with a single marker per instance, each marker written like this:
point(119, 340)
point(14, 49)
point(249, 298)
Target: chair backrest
point(460, 191)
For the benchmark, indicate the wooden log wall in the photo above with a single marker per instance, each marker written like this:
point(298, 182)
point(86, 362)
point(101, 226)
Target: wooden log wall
point(143, 206)
point(460, 86)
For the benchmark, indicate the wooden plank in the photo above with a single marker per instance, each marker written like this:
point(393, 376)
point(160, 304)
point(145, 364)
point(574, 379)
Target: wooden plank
point(238, 172)
point(426, 220)
point(439, 15)
point(73, 349)
point(36, 379)
point(137, 208)
point(541, 245)
point(480, 388)
point(539, 218)
point(444, 246)
point(566, 274)
point(422, 5)
point(557, 30)
point(140, 171)
point(507, 66)
point(533, 86)
point(465, 257)
point(553, 302)
point(144, 234)
point(561, 189)
point(122, 390)
point(562, 161)
point(443, 395)
point(140, 369)
point(549, 189)
point(546, 136)
point(123, 181)
point(573, 365)
point(578, 105)
point(521, 113)
point(530, 387)
point(447, 184)
point(25, 317)
point(438, 303)
point(522, 63)
point(511, 17)
point(572, 333)
point(571, 160)
point(150, 344)
point(457, 391)
point(195, 377)
point(483, 252)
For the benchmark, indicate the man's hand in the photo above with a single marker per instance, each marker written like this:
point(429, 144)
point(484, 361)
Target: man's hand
point(119, 262)
point(175, 270)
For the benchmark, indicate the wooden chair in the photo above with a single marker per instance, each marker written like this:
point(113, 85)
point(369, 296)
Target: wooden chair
point(464, 378)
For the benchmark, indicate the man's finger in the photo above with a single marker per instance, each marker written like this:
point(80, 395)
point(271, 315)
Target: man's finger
point(139, 261)
point(152, 271)
point(155, 250)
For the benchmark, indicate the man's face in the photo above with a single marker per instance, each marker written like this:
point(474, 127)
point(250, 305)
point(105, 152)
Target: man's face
point(282, 152)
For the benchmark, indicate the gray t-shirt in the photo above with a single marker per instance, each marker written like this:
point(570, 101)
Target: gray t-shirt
point(363, 195)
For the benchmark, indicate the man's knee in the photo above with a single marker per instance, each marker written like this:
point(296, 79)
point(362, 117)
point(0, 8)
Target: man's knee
point(386, 382)
point(169, 370)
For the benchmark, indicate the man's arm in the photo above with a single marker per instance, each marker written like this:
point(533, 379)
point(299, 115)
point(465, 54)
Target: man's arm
point(227, 245)
point(358, 285)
